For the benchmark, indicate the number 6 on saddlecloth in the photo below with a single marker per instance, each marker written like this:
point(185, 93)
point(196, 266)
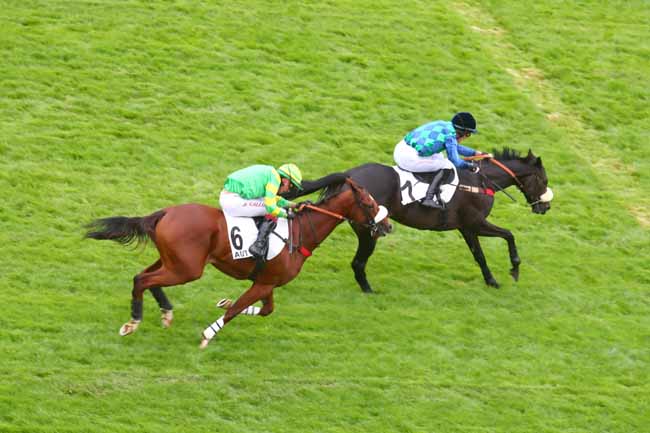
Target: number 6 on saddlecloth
point(236, 238)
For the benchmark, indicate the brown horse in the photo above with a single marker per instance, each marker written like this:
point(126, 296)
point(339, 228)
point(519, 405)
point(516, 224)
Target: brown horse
point(190, 236)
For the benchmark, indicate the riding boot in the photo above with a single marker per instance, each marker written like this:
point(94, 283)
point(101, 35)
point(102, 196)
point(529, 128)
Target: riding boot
point(434, 191)
point(261, 245)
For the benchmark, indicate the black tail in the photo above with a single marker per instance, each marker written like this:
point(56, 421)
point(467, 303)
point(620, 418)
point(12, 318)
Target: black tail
point(124, 230)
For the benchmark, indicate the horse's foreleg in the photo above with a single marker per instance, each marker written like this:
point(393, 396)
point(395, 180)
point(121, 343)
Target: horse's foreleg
point(251, 310)
point(364, 250)
point(471, 238)
point(252, 295)
point(489, 229)
point(267, 305)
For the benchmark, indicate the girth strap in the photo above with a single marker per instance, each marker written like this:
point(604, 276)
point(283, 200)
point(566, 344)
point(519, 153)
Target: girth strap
point(476, 189)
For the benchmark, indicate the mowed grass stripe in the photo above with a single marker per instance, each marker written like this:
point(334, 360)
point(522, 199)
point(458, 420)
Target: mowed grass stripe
point(579, 138)
point(137, 105)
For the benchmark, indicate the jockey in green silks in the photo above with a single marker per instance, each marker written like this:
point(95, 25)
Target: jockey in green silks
point(253, 191)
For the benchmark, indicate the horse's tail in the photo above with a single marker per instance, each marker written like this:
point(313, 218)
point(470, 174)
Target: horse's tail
point(125, 230)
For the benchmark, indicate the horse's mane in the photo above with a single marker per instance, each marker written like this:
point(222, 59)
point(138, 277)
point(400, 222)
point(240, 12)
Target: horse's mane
point(506, 154)
point(329, 186)
point(331, 190)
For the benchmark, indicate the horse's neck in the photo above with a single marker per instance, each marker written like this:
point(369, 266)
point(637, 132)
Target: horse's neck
point(321, 224)
point(500, 176)
point(315, 227)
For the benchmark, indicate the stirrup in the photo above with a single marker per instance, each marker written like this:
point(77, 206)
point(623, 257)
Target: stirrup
point(258, 251)
point(432, 203)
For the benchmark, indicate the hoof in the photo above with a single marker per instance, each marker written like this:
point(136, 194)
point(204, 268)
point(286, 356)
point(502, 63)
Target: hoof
point(224, 303)
point(204, 343)
point(129, 327)
point(515, 274)
point(492, 283)
point(166, 318)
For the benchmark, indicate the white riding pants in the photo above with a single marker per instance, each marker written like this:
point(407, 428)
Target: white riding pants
point(235, 205)
point(407, 158)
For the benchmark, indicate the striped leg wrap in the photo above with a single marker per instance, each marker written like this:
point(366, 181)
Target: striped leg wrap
point(251, 311)
point(212, 330)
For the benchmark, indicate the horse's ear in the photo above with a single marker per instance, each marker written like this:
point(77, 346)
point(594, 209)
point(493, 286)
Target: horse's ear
point(538, 163)
point(349, 181)
point(530, 155)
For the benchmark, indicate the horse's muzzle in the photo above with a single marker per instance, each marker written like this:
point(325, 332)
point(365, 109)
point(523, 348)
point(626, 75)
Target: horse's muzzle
point(382, 225)
point(381, 229)
point(544, 203)
point(541, 207)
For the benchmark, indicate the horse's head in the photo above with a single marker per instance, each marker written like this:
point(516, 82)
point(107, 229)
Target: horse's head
point(357, 206)
point(534, 184)
point(367, 212)
point(530, 177)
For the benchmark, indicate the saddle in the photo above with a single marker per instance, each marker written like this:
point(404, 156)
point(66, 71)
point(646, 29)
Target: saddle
point(447, 177)
point(242, 232)
point(413, 186)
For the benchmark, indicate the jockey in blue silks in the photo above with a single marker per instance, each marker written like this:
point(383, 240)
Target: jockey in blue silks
point(421, 151)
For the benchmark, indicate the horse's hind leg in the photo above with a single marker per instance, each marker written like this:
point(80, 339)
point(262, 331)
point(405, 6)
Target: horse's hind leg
point(166, 308)
point(155, 277)
point(252, 295)
point(136, 305)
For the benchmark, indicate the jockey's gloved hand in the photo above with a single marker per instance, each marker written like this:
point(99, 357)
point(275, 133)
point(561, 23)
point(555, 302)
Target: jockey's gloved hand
point(486, 155)
point(306, 202)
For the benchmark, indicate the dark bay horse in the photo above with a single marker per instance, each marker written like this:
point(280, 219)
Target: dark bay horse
point(467, 211)
point(190, 236)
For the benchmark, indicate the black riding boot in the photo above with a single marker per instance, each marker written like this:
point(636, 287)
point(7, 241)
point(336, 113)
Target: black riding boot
point(434, 191)
point(261, 245)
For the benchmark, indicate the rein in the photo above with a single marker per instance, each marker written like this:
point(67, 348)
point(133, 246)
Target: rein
point(521, 186)
point(498, 164)
point(370, 224)
point(300, 248)
point(497, 186)
point(507, 170)
point(373, 226)
point(323, 211)
point(514, 176)
point(502, 167)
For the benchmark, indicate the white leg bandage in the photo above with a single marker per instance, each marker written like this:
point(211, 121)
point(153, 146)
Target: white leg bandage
point(251, 311)
point(212, 330)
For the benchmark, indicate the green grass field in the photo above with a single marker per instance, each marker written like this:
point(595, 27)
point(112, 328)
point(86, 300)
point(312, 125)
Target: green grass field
point(124, 107)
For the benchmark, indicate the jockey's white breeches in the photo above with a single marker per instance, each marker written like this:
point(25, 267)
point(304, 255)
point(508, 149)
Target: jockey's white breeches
point(407, 158)
point(235, 205)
